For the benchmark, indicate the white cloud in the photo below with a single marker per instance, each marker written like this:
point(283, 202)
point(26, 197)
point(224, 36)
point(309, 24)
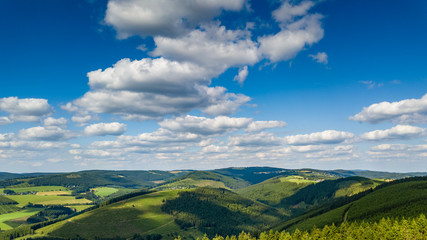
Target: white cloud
point(102, 129)
point(205, 126)
point(257, 126)
point(35, 146)
point(50, 133)
point(156, 138)
point(396, 132)
point(293, 37)
point(163, 17)
point(320, 57)
point(214, 149)
point(94, 153)
point(325, 137)
point(241, 77)
point(287, 12)
point(25, 109)
point(212, 46)
point(409, 111)
point(155, 76)
point(262, 139)
point(308, 148)
point(372, 84)
point(153, 88)
point(59, 122)
point(7, 136)
point(5, 120)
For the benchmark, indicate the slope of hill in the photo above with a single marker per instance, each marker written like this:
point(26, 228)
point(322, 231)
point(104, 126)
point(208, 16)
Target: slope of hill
point(220, 211)
point(138, 215)
point(204, 179)
point(273, 190)
point(252, 175)
point(402, 198)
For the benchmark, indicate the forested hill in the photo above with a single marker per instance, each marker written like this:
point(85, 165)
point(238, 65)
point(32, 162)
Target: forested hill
point(88, 179)
point(6, 175)
point(401, 198)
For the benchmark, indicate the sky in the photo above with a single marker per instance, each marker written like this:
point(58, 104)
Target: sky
point(206, 84)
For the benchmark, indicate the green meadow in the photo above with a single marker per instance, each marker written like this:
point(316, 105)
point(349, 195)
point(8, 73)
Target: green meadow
point(104, 191)
point(35, 189)
point(6, 220)
point(47, 200)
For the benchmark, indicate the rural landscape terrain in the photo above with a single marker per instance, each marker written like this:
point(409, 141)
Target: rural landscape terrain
point(213, 119)
point(261, 202)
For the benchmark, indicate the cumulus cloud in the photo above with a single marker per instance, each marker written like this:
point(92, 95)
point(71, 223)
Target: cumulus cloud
point(48, 133)
point(153, 88)
point(257, 126)
point(397, 132)
point(212, 46)
point(214, 149)
point(163, 17)
point(5, 120)
point(400, 151)
point(205, 126)
point(298, 29)
point(25, 109)
point(32, 145)
point(59, 122)
point(325, 137)
point(409, 111)
point(287, 12)
point(262, 139)
point(241, 77)
point(102, 129)
point(320, 57)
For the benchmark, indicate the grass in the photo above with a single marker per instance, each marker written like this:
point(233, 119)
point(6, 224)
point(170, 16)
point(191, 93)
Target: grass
point(104, 191)
point(35, 189)
point(141, 215)
point(272, 191)
point(54, 193)
point(191, 183)
point(46, 200)
point(5, 219)
point(296, 179)
point(8, 208)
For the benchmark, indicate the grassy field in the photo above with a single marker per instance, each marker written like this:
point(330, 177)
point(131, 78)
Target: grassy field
point(191, 183)
point(6, 220)
point(8, 208)
point(104, 191)
point(46, 200)
point(272, 191)
point(296, 179)
point(35, 189)
point(137, 215)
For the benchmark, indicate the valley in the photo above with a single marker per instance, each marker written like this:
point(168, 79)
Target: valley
point(189, 204)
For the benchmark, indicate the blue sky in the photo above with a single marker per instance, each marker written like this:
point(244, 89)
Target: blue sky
point(138, 84)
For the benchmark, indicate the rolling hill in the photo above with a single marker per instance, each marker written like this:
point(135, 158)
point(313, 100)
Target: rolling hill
point(204, 179)
point(401, 198)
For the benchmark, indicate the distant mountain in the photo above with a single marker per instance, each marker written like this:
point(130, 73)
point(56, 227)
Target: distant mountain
point(95, 178)
point(204, 179)
point(376, 174)
point(6, 175)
